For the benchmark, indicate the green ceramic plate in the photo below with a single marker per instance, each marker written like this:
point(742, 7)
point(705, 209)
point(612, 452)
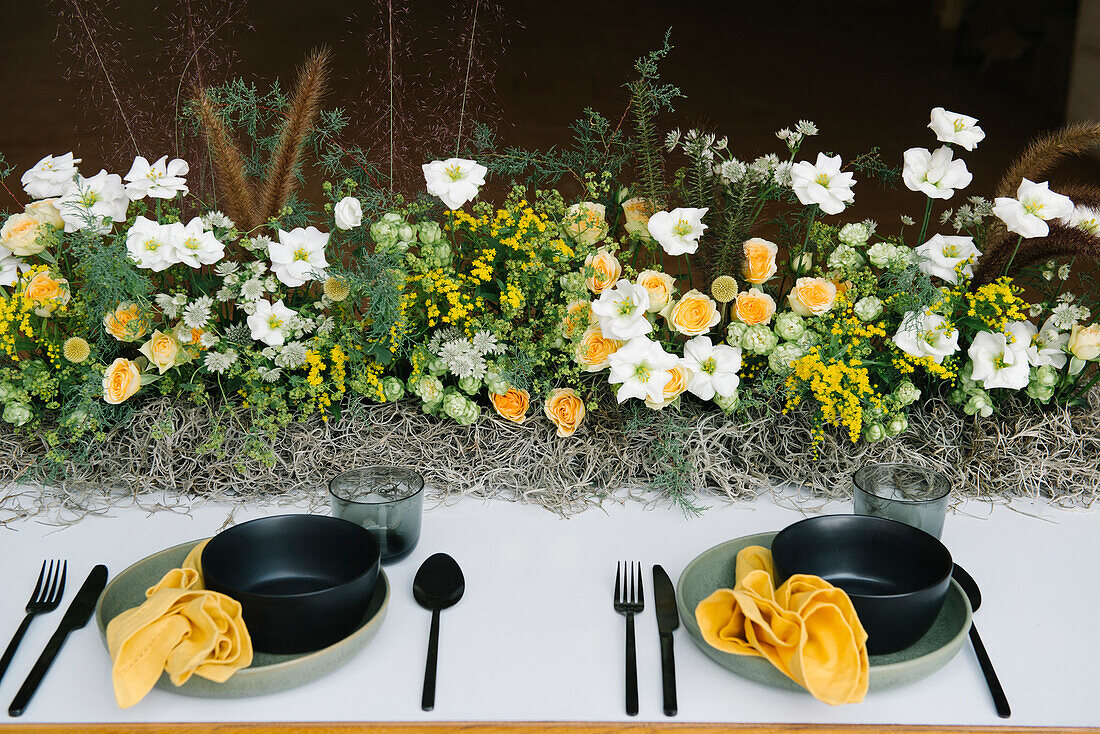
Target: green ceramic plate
point(714, 569)
point(268, 673)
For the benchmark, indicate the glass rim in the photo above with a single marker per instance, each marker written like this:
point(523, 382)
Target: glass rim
point(412, 474)
point(938, 476)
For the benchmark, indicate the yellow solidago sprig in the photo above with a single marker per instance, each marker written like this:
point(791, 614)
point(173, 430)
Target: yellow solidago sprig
point(841, 389)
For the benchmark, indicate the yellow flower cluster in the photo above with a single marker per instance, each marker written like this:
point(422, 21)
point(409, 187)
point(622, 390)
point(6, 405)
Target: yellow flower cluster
point(839, 388)
point(996, 304)
point(15, 319)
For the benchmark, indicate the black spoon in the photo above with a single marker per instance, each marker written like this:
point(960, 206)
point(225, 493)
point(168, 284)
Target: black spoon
point(970, 586)
point(438, 584)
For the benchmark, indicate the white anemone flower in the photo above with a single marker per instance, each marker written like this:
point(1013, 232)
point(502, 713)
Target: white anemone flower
point(936, 175)
point(1001, 360)
point(822, 183)
point(679, 230)
point(10, 267)
point(150, 245)
point(270, 322)
point(713, 368)
point(952, 127)
point(299, 255)
point(926, 334)
point(455, 181)
point(193, 244)
point(51, 176)
point(93, 203)
point(640, 368)
point(1085, 219)
point(1034, 205)
point(1046, 345)
point(621, 311)
point(161, 180)
point(942, 254)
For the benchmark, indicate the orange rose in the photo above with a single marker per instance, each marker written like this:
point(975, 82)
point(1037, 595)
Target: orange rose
point(161, 350)
point(47, 293)
point(637, 212)
point(759, 263)
point(606, 271)
point(694, 314)
point(565, 409)
point(127, 324)
point(678, 379)
point(578, 316)
point(754, 306)
point(812, 296)
point(594, 349)
point(512, 405)
point(121, 380)
point(659, 286)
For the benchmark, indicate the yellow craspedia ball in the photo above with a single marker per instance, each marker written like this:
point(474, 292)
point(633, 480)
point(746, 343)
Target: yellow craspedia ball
point(76, 350)
point(724, 288)
point(337, 289)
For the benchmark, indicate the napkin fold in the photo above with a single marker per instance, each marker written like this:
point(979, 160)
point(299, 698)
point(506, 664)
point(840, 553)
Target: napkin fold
point(807, 628)
point(180, 628)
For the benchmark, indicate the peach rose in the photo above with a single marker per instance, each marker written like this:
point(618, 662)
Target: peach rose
point(20, 235)
point(754, 306)
point(678, 379)
point(565, 409)
point(161, 350)
point(121, 380)
point(512, 405)
point(594, 349)
point(45, 211)
point(1084, 342)
point(812, 296)
point(126, 323)
point(659, 286)
point(637, 212)
point(694, 314)
point(47, 294)
point(578, 316)
point(607, 271)
point(759, 263)
point(585, 223)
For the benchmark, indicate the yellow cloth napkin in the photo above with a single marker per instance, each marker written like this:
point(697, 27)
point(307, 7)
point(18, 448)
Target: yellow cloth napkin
point(180, 628)
point(807, 628)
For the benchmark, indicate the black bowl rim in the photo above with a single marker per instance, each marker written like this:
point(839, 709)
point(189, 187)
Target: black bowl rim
point(937, 498)
point(240, 594)
point(349, 500)
point(872, 519)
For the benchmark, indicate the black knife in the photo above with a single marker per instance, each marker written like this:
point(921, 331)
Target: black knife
point(76, 616)
point(667, 620)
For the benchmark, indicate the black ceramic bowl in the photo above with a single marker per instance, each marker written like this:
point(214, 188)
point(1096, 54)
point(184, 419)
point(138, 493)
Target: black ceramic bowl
point(896, 575)
point(303, 581)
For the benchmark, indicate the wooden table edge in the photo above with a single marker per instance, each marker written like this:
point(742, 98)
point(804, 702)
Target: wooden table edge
point(541, 727)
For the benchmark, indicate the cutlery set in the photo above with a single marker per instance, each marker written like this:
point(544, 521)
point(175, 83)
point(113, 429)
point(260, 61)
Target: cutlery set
point(630, 600)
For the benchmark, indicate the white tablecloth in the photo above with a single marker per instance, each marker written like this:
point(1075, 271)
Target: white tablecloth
point(535, 637)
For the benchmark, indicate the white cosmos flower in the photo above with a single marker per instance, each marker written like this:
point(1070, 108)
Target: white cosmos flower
point(348, 213)
point(193, 244)
point(1000, 360)
point(943, 253)
point(679, 230)
point(1045, 346)
point(1085, 219)
point(1034, 205)
point(150, 244)
point(621, 311)
point(455, 181)
point(51, 176)
point(936, 175)
point(10, 267)
point(823, 184)
point(93, 203)
point(713, 368)
point(926, 334)
point(299, 255)
point(161, 180)
point(270, 322)
point(640, 368)
point(952, 127)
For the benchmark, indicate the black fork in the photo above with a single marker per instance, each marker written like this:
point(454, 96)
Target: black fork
point(629, 601)
point(45, 598)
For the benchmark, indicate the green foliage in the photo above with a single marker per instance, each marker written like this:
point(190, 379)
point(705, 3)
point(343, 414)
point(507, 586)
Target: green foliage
point(108, 277)
point(648, 98)
point(668, 450)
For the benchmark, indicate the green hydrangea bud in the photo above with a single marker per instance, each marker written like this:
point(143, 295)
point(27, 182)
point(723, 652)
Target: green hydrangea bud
point(1042, 393)
point(868, 308)
point(874, 433)
point(426, 387)
point(897, 424)
point(881, 254)
point(393, 389)
point(431, 408)
point(735, 332)
point(406, 232)
point(790, 326)
point(1045, 376)
point(7, 391)
point(844, 256)
point(728, 405)
point(17, 413)
point(469, 385)
point(979, 404)
point(783, 356)
point(759, 339)
point(907, 393)
point(440, 254)
point(430, 233)
point(461, 409)
point(855, 234)
point(384, 233)
point(496, 384)
point(437, 367)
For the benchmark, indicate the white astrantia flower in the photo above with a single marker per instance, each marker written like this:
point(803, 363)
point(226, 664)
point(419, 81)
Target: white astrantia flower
point(219, 362)
point(270, 322)
point(713, 368)
point(193, 244)
point(782, 174)
point(162, 179)
point(455, 181)
point(942, 254)
point(348, 213)
point(1034, 205)
point(823, 183)
point(196, 314)
point(806, 127)
point(217, 219)
point(640, 368)
point(1046, 345)
point(486, 342)
point(678, 231)
point(208, 340)
point(621, 311)
point(299, 255)
point(93, 203)
point(731, 171)
point(952, 127)
point(1085, 219)
point(51, 176)
point(926, 334)
point(269, 374)
point(291, 356)
point(149, 245)
point(1065, 315)
point(1000, 360)
point(10, 267)
point(936, 175)
point(226, 267)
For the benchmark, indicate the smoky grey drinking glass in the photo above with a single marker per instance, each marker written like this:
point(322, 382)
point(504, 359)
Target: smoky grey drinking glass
point(906, 493)
point(386, 500)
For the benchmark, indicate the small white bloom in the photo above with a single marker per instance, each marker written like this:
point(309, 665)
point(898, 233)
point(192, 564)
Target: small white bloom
point(926, 334)
point(226, 268)
point(219, 362)
point(194, 245)
point(906, 220)
point(348, 213)
point(951, 127)
point(1034, 205)
point(713, 368)
point(1045, 346)
point(150, 245)
point(196, 314)
point(621, 311)
point(936, 175)
point(51, 176)
point(291, 356)
point(782, 174)
point(161, 180)
point(783, 134)
point(269, 374)
point(1000, 360)
point(942, 254)
point(844, 256)
point(640, 368)
point(217, 219)
point(270, 322)
point(455, 181)
point(823, 184)
point(731, 171)
point(93, 203)
point(855, 234)
point(486, 342)
point(10, 267)
point(672, 140)
point(260, 243)
point(299, 255)
point(806, 127)
point(208, 339)
point(679, 230)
